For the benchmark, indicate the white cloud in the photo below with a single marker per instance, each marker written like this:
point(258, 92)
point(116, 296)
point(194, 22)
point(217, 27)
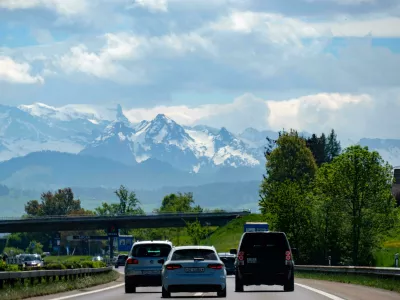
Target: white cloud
point(279, 28)
point(152, 5)
point(352, 116)
point(14, 72)
point(62, 7)
point(108, 61)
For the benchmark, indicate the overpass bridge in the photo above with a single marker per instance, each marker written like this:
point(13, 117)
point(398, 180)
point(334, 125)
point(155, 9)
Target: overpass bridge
point(152, 220)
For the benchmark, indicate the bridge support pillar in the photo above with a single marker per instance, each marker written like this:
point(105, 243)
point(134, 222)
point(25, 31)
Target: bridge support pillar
point(111, 248)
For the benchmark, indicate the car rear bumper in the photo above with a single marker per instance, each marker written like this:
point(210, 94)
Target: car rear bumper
point(196, 284)
point(190, 288)
point(143, 280)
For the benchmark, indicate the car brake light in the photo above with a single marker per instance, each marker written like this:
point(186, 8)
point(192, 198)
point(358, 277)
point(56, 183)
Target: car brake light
point(132, 261)
point(288, 255)
point(216, 266)
point(240, 255)
point(173, 267)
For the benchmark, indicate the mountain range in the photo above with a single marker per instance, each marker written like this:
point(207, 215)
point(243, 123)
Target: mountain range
point(43, 146)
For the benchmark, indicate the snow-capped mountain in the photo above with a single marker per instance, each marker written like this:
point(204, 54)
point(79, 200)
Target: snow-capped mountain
point(190, 149)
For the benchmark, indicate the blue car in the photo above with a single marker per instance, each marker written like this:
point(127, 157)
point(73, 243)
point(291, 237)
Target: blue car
point(144, 263)
point(193, 269)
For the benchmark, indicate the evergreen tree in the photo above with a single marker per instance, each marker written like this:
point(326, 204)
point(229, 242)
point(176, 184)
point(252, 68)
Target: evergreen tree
point(333, 147)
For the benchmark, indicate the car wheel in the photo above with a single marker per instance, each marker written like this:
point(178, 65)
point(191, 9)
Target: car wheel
point(238, 284)
point(165, 293)
point(289, 285)
point(222, 293)
point(129, 289)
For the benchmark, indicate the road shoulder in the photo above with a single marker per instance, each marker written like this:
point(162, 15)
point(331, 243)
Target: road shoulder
point(349, 291)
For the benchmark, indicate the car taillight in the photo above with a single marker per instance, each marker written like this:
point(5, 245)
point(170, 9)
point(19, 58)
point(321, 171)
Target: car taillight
point(132, 261)
point(288, 255)
point(215, 266)
point(173, 267)
point(240, 255)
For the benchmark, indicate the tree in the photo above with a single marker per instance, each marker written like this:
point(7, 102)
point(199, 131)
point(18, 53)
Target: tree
point(129, 203)
point(359, 181)
point(289, 207)
point(34, 248)
point(290, 160)
point(179, 203)
point(284, 191)
point(196, 232)
point(60, 203)
point(333, 147)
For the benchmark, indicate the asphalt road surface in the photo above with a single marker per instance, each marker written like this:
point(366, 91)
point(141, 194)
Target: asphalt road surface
point(304, 290)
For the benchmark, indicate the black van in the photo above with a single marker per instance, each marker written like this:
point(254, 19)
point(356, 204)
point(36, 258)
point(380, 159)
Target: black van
point(264, 258)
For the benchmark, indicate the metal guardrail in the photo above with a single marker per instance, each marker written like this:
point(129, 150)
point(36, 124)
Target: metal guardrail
point(47, 274)
point(384, 272)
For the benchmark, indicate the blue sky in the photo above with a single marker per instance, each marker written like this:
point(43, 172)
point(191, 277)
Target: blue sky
point(307, 64)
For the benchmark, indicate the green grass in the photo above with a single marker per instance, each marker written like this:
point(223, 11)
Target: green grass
point(40, 289)
point(65, 258)
point(385, 256)
point(391, 284)
point(227, 237)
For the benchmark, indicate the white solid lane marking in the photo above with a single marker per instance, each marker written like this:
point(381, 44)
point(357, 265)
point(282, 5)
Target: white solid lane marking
point(330, 296)
point(198, 294)
point(88, 293)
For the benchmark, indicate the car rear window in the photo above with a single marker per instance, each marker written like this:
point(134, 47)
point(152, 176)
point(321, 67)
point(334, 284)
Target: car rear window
point(191, 254)
point(151, 250)
point(228, 260)
point(266, 241)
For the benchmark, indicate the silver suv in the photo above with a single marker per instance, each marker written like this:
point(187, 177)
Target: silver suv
point(144, 264)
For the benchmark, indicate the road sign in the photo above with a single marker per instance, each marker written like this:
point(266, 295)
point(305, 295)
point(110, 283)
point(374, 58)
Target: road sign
point(33, 245)
point(112, 231)
point(125, 243)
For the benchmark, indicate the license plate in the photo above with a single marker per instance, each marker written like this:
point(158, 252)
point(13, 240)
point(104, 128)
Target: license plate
point(151, 272)
point(194, 270)
point(251, 260)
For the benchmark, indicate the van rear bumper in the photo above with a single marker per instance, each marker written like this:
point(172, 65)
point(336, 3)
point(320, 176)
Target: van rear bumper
point(261, 277)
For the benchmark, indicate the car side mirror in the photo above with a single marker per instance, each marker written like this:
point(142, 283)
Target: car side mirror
point(161, 261)
point(233, 251)
point(295, 252)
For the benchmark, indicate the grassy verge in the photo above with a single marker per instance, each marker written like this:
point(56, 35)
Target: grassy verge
point(227, 237)
point(390, 284)
point(58, 286)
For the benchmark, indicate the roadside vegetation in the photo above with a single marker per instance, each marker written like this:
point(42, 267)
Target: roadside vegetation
point(391, 284)
point(20, 291)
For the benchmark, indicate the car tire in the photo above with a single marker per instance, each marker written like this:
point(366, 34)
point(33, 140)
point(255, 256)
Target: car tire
point(238, 284)
point(289, 285)
point(165, 293)
point(129, 289)
point(222, 293)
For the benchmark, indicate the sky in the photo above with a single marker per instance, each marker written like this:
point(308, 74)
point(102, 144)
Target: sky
point(310, 65)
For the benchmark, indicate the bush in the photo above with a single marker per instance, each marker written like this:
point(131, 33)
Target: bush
point(8, 268)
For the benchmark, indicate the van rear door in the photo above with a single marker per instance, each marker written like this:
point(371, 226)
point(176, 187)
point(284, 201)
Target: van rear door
point(264, 252)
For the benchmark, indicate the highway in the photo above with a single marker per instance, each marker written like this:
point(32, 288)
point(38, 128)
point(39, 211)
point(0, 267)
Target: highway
point(304, 290)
